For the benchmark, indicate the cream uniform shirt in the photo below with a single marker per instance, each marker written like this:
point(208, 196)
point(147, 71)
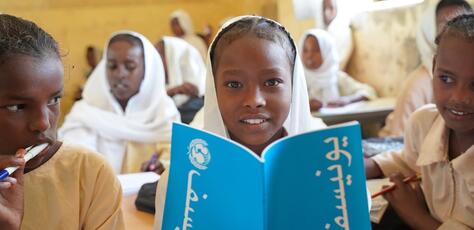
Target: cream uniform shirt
point(448, 186)
point(416, 91)
point(75, 189)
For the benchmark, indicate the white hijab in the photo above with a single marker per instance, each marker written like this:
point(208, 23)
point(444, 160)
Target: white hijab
point(339, 28)
point(184, 64)
point(322, 82)
point(147, 118)
point(425, 38)
point(299, 119)
point(189, 34)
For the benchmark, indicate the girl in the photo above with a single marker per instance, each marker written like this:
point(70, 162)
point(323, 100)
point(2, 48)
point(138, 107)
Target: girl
point(326, 84)
point(65, 186)
point(253, 89)
point(329, 17)
point(125, 111)
point(182, 27)
point(439, 141)
point(185, 75)
point(417, 88)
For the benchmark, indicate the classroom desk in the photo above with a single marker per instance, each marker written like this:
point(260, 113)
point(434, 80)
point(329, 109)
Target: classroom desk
point(134, 219)
point(367, 113)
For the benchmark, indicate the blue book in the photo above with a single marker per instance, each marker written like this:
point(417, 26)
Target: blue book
point(314, 180)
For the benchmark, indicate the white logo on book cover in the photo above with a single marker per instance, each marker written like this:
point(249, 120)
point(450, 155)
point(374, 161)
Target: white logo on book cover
point(199, 154)
point(200, 157)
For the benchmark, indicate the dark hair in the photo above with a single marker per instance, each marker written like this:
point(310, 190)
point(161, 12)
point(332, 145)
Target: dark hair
point(260, 27)
point(445, 3)
point(461, 25)
point(128, 38)
point(19, 36)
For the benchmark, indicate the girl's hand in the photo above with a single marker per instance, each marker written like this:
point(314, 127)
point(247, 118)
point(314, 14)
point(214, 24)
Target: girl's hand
point(410, 205)
point(189, 89)
point(342, 101)
point(11, 192)
point(153, 165)
point(315, 104)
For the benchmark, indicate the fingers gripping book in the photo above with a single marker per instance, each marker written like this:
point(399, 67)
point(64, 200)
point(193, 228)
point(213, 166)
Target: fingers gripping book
point(313, 180)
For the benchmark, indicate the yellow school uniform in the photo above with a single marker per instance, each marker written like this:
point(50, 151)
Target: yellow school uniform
point(74, 189)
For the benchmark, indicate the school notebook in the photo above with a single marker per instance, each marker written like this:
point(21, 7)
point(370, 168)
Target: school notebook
point(314, 180)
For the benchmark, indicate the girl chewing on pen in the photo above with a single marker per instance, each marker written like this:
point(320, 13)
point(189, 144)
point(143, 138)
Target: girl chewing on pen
point(64, 186)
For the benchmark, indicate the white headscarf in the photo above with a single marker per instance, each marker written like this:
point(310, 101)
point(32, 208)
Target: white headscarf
point(299, 118)
point(189, 35)
point(184, 64)
point(339, 28)
point(425, 38)
point(147, 118)
point(322, 82)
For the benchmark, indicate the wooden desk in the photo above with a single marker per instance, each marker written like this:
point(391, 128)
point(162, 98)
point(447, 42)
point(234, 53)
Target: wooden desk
point(371, 115)
point(135, 219)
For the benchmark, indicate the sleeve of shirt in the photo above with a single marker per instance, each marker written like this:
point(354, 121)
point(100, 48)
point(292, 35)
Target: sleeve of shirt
point(452, 224)
point(104, 210)
point(349, 86)
point(404, 161)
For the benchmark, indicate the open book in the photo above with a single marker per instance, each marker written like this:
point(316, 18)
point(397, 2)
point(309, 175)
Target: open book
point(314, 180)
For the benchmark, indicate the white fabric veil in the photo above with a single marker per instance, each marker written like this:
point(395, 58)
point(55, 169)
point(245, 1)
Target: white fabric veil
point(425, 38)
point(189, 34)
point(322, 82)
point(184, 64)
point(147, 118)
point(299, 118)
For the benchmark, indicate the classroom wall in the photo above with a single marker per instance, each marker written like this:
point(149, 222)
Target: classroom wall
point(78, 23)
point(385, 50)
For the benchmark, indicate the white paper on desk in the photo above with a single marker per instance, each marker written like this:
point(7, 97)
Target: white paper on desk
point(379, 204)
point(132, 182)
point(342, 110)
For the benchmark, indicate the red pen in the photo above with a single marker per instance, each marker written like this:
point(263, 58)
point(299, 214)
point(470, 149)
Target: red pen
point(413, 178)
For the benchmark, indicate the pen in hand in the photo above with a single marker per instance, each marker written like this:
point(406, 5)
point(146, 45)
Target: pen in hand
point(413, 178)
point(30, 153)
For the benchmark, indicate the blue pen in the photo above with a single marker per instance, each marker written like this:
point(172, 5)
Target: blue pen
point(31, 152)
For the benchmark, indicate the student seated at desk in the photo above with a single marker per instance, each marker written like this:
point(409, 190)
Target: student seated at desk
point(182, 27)
point(185, 74)
point(125, 111)
point(254, 90)
point(65, 186)
point(417, 89)
point(439, 141)
point(327, 85)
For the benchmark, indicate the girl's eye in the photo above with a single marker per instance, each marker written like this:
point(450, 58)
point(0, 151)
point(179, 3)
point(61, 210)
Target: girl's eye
point(446, 79)
point(15, 108)
point(130, 66)
point(273, 82)
point(233, 84)
point(111, 66)
point(54, 100)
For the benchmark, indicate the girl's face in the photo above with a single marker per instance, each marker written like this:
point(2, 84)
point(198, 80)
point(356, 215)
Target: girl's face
point(125, 69)
point(30, 92)
point(329, 11)
point(176, 27)
point(253, 79)
point(453, 83)
point(312, 58)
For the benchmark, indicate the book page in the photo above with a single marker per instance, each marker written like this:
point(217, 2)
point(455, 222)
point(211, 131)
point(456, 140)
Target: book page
point(379, 204)
point(316, 180)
